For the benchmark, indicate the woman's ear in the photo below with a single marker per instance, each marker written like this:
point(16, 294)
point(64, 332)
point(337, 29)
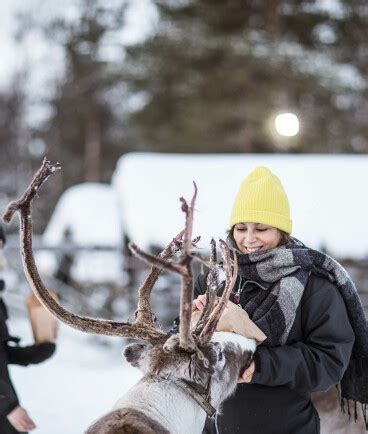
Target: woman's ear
point(134, 353)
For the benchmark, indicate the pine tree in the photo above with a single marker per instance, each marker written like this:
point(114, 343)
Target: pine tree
point(82, 131)
point(12, 128)
point(217, 71)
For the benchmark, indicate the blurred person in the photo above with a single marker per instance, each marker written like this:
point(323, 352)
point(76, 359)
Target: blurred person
point(13, 417)
point(306, 305)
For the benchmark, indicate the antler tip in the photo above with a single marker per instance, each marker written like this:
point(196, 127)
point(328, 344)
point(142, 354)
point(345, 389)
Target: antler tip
point(9, 212)
point(52, 167)
point(196, 240)
point(184, 205)
point(132, 246)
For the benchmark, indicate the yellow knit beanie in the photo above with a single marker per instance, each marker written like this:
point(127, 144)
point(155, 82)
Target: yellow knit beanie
point(262, 199)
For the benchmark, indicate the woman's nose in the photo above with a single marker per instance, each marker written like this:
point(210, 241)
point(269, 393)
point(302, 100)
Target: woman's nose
point(250, 237)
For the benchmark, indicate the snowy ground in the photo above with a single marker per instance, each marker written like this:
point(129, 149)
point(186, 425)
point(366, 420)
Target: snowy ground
point(81, 382)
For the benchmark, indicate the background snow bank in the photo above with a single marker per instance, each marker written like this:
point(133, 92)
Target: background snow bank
point(83, 209)
point(324, 193)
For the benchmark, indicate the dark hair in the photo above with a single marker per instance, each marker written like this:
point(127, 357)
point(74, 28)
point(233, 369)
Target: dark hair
point(284, 239)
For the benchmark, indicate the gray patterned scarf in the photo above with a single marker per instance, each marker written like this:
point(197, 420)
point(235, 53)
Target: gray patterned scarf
point(288, 268)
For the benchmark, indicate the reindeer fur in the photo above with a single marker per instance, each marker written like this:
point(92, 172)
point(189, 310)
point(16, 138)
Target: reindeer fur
point(166, 407)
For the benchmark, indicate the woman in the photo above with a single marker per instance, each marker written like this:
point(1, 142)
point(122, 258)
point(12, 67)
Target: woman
point(13, 417)
point(306, 305)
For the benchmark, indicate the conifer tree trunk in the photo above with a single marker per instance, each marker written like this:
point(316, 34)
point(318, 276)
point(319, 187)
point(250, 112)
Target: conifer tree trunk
point(272, 15)
point(92, 154)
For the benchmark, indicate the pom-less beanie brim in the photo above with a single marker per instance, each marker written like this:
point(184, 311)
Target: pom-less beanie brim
point(278, 221)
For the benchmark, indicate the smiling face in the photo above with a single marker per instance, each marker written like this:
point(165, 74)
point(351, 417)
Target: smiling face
point(254, 237)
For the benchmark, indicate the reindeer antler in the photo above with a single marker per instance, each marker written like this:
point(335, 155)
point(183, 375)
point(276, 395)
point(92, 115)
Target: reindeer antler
point(212, 286)
point(184, 268)
point(141, 329)
point(210, 315)
point(144, 313)
point(231, 276)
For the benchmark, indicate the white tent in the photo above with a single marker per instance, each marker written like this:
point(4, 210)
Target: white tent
point(326, 193)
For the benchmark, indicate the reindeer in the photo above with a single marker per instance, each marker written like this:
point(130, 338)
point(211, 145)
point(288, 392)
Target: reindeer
point(187, 374)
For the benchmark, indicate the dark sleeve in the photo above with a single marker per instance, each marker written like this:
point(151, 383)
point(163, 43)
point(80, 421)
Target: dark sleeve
point(8, 397)
point(4, 333)
point(31, 354)
point(201, 285)
point(320, 360)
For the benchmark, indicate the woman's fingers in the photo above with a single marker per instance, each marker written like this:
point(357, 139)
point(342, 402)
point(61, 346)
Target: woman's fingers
point(198, 304)
point(203, 299)
point(247, 375)
point(200, 301)
point(29, 424)
point(20, 420)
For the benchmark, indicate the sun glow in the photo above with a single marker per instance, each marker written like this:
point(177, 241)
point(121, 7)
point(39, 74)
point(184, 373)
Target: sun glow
point(287, 124)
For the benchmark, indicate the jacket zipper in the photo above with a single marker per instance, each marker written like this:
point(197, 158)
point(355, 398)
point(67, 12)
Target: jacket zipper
point(241, 286)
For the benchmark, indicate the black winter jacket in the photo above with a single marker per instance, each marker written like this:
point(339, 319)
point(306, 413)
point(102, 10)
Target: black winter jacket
point(8, 396)
point(316, 354)
point(15, 355)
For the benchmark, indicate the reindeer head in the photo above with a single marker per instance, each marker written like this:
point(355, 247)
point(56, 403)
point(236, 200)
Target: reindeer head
point(154, 360)
point(192, 354)
point(226, 357)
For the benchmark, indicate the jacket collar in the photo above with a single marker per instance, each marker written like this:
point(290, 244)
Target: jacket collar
point(243, 282)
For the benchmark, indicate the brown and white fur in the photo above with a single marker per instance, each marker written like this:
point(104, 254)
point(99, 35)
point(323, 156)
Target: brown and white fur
point(165, 407)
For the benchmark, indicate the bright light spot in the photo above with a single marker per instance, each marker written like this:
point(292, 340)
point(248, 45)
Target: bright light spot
point(287, 124)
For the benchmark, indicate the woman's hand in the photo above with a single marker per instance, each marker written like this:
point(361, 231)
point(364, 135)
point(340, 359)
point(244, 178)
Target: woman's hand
point(20, 420)
point(200, 302)
point(247, 375)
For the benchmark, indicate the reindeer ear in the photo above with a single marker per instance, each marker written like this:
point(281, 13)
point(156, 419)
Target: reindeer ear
point(134, 353)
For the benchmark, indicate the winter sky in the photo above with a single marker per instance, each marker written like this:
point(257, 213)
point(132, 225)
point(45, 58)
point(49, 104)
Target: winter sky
point(39, 56)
